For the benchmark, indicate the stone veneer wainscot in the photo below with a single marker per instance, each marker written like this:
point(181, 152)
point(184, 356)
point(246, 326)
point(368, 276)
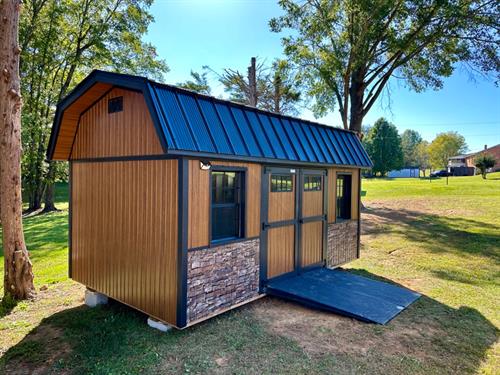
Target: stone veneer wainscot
point(222, 276)
point(342, 243)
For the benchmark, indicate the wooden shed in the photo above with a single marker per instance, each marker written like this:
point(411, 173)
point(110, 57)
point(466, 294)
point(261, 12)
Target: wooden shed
point(184, 206)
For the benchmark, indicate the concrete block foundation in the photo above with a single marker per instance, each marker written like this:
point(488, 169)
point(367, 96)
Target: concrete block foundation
point(92, 298)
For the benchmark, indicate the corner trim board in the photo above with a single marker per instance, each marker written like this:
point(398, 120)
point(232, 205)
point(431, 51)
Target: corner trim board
point(183, 197)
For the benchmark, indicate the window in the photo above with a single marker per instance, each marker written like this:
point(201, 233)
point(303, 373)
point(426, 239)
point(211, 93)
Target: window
point(227, 205)
point(343, 196)
point(281, 183)
point(115, 104)
point(312, 183)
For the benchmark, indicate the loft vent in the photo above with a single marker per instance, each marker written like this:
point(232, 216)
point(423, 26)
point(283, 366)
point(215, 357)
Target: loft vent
point(115, 104)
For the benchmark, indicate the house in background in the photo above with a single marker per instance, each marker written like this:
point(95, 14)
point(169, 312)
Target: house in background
point(463, 165)
point(184, 206)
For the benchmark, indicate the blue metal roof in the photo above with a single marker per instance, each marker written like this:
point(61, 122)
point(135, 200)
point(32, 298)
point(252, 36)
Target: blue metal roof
point(195, 123)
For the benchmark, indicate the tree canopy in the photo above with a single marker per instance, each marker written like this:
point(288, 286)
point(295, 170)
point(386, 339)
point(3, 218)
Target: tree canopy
point(383, 144)
point(61, 42)
point(198, 82)
point(278, 88)
point(346, 51)
point(444, 146)
point(410, 139)
point(484, 162)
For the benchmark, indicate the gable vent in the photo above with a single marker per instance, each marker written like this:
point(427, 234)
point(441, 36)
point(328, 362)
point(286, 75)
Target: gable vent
point(115, 104)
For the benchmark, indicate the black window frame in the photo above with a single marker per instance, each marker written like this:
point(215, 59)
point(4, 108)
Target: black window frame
point(115, 104)
point(239, 204)
point(343, 197)
point(279, 183)
point(312, 183)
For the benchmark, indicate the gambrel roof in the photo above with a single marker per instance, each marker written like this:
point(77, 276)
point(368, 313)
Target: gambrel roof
point(192, 124)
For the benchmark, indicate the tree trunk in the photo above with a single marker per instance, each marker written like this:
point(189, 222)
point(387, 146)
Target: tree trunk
point(252, 83)
point(356, 95)
point(49, 190)
point(49, 205)
point(18, 278)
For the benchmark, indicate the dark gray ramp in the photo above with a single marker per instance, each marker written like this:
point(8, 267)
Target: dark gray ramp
point(344, 293)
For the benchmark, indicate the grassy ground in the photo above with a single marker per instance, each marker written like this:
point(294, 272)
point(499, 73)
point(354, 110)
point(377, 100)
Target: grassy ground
point(442, 241)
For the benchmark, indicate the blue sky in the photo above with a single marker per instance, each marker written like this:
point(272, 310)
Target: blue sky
point(226, 33)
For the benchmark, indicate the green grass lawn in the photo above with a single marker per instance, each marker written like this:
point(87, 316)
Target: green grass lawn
point(442, 241)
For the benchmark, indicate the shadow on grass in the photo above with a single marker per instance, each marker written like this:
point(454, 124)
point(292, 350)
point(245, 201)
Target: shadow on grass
point(115, 339)
point(440, 233)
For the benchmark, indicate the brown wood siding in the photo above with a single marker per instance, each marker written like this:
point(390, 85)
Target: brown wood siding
point(199, 201)
point(124, 232)
point(312, 241)
point(126, 133)
point(281, 205)
point(312, 203)
point(69, 121)
point(332, 192)
point(280, 250)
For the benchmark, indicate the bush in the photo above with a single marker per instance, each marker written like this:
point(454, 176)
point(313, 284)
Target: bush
point(484, 162)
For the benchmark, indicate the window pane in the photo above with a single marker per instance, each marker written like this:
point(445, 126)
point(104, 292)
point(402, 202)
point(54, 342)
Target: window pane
point(225, 222)
point(280, 183)
point(312, 183)
point(226, 212)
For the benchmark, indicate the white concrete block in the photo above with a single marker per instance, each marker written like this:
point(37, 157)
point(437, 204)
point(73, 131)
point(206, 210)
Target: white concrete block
point(153, 323)
point(92, 299)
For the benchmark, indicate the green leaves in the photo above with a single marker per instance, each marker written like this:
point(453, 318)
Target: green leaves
point(346, 51)
point(444, 146)
point(383, 144)
point(62, 41)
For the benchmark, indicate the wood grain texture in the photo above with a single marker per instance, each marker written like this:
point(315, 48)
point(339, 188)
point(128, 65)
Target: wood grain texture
point(124, 232)
point(199, 201)
point(126, 133)
point(332, 192)
point(281, 205)
point(312, 203)
point(69, 121)
point(280, 250)
point(311, 243)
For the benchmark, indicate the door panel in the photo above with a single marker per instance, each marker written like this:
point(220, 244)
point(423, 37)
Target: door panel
point(313, 219)
point(280, 221)
point(312, 203)
point(281, 206)
point(280, 250)
point(311, 243)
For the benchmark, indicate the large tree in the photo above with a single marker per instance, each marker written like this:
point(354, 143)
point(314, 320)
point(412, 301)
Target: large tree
point(347, 51)
point(18, 275)
point(444, 146)
point(61, 42)
point(383, 144)
point(277, 89)
point(422, 156)
point(410, 139)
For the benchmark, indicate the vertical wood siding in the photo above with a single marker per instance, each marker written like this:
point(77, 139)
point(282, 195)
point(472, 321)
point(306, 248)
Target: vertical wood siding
point(332, 192)
point(280, 250)
point(312, 243)
point(124, 232)
point(125, 133)
point(312, 203)
point(199, 201)
point(69, 121)
point(281, 205)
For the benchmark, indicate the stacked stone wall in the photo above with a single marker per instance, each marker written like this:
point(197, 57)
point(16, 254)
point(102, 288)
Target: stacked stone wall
point(342, 243)
point(221, 277)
